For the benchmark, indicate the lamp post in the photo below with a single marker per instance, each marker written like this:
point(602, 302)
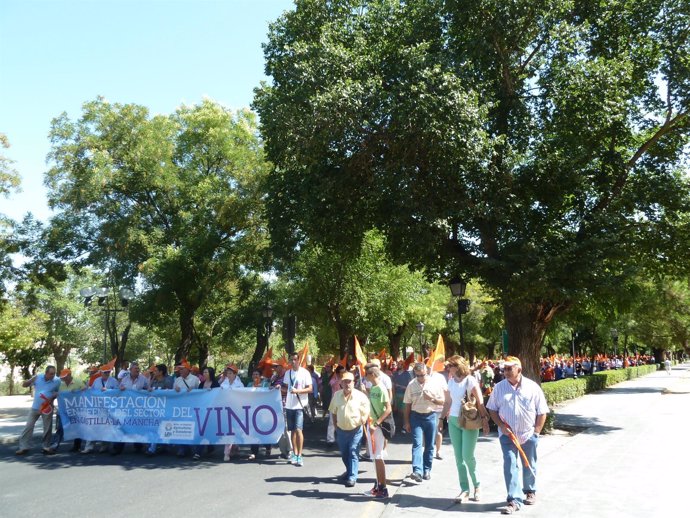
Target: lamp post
point(614, 337)
point(457, 289)
point(267, 313)
point(101, 294)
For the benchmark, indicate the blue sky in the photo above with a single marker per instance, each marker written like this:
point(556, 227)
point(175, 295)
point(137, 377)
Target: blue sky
point(57, 54)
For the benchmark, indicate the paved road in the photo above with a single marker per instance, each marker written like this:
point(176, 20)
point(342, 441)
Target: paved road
point(629, 458)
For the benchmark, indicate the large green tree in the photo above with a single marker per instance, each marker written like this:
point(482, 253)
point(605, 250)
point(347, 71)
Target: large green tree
point(535, 144)
point(9, 182)
point(174, 201)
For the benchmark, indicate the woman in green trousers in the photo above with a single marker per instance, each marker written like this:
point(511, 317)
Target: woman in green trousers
point(461, 383)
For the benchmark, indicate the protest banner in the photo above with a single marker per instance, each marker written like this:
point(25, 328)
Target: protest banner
point(214, 416)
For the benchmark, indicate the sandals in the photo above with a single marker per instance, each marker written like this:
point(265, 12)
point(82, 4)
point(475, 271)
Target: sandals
point(462, 497)
point(477, 494)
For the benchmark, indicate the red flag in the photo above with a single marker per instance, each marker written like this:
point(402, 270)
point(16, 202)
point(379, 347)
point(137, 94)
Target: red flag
point(343, 362)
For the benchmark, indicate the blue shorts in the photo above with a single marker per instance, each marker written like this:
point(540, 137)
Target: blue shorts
point(294, 419)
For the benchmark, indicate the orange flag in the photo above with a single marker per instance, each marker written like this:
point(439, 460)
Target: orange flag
point(382, 355)
point(303, 355)
point(408, 361)
point(268, 355)
point(108, 366)
point(438, 356)
point(283, 361)
point(343, 361)
point(361, 360)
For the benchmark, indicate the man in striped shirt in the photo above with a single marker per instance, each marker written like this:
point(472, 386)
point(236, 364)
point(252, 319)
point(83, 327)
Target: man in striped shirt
point(517, 405)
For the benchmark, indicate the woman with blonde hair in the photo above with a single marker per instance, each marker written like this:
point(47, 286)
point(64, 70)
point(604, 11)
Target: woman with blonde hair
point(462, 384)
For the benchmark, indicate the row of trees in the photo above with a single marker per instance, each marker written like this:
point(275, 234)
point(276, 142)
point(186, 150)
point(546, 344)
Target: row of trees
point(536, 147)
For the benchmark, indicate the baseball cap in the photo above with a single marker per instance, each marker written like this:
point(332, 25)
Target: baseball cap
point(512, 361)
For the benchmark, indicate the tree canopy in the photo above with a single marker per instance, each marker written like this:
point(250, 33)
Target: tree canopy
point(173, 201)
point(537, 145)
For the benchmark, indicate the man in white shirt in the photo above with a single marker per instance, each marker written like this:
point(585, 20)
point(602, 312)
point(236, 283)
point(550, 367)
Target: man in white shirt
point(518, 407)
point(186, 381)
point(299, 385)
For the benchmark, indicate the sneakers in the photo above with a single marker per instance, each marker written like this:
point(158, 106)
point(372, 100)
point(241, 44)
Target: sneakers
point(349, 483)
point(427, 475)
point(462, 497)
point(293, 458)
point(510, 508)
point(530, 499)
point(416, 476)
point(372, 492)
point(382, 493)
point(377, 492)
point(299, 461)
point(196, 456)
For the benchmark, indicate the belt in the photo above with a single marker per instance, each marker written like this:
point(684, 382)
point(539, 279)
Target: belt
point(420, 413)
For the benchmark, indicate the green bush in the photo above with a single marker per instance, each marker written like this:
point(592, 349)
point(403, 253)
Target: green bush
point(563, 390)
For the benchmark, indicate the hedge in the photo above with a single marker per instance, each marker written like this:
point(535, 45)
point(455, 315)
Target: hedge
point(563, 390)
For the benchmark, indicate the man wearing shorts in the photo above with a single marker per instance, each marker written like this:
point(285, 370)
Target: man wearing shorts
point(299, 386)
point(380, 409)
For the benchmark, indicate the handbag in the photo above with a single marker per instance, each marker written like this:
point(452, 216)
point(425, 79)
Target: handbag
point(388, 427)
point(470, 419)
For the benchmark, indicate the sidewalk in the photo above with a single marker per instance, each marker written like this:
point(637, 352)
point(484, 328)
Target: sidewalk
point(612, 468)
point(13, 412)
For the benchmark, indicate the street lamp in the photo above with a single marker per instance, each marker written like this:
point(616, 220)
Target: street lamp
point(101, 294)
point(457, 289)
point(614, 336)
point(420, 328)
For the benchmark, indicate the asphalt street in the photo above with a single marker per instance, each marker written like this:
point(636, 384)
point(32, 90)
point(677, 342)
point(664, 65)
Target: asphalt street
point(624, 454)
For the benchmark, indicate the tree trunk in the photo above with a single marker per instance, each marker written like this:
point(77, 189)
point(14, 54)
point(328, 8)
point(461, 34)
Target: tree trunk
point(261, 344)
point(10, 381)
point(394, 342)
point(451, 347)
point(122, 346)
point(526, 324)
point(202, 348)
point(186, 332)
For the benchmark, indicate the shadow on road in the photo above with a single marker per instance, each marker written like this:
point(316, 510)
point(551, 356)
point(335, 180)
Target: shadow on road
point(576, 423)
point(633, 390)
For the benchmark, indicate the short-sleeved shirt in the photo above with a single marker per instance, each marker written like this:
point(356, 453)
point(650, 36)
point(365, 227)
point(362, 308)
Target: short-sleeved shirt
point(191, 382)
point(298, 380)
point(457, 393)
point(141, 383)
point(165, 383)
point(518, 406)
point(350, 412)
point(236, 383)
point(47, 388)
point(401, 379)
point(76, 384)
point(99, 384)
point(378, 397)
point(414, 395)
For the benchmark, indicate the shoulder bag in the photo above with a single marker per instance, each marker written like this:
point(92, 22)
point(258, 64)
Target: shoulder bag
point(470, 419)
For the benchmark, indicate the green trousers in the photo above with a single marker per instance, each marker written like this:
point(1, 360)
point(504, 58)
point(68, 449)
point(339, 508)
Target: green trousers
point(464, 442)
